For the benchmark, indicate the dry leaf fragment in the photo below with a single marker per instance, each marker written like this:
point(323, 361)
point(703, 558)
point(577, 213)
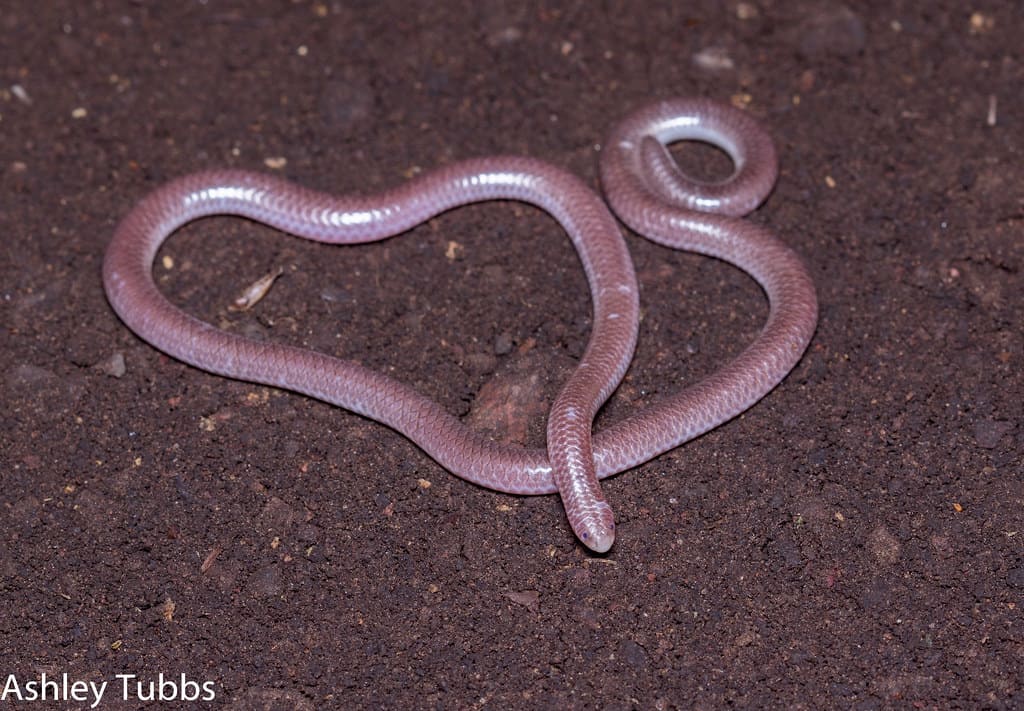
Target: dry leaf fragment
point(256, 291)
point(210, 558)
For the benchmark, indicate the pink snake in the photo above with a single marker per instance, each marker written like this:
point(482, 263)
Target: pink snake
point(645, 189)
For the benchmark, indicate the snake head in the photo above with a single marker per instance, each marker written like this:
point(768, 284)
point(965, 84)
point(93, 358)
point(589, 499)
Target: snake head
point(600, 540)
point(597, 530)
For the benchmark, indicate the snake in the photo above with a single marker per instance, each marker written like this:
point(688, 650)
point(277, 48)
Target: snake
point(645, 189)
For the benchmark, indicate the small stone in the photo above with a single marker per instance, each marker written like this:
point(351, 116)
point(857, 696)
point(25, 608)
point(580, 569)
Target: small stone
point(501, 23)
point(746, 11)
point(504, 35)
point(714, 59)
point(336, 295)
point(503, 344)
point(20, 94)
point(114, 366)
point(980, 23)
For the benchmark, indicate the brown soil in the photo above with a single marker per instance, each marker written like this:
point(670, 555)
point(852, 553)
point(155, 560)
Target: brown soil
point(856, 540)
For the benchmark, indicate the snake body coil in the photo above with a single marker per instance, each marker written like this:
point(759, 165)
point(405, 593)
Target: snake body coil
point(645, 189)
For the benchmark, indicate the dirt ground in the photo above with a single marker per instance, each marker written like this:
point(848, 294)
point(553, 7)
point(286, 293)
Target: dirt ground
point(855, 540)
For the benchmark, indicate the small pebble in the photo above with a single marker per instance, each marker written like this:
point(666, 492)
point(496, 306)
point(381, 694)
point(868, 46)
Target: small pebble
point(714, 59)
point(336, 295)
point(746, 11)
point(113, 366)
point(503, 344)
point(20, 94)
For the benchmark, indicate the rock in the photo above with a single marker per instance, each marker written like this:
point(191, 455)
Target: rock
point(512, 400)
point(503, 344)
point(114, 366)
